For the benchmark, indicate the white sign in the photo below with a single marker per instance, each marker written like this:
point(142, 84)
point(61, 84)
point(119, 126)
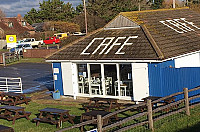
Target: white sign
point(180, 25)
point(55, 77)
point(108, 43)
point(55, 70)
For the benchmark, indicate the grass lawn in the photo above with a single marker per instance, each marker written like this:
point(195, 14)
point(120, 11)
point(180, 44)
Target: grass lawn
point(28, 60)
point(177, 124)
point(24, 125)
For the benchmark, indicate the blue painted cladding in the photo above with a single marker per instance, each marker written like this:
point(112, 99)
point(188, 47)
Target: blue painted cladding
point(164, 80)
point(155, 77)
point(58, 84)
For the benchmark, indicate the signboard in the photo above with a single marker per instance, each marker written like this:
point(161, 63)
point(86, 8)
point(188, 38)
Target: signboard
point(11, 41)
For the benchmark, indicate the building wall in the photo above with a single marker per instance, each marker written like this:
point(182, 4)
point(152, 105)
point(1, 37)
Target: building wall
point(57, 74)
point(165, 80)
point(155, 77)
point(192, 60)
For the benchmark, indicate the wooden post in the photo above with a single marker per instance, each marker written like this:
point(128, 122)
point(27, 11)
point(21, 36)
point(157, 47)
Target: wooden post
point(47, 47)
point(150, 114)
point(187, 104)
point(99, 123)
point(58, 46)
point(4, 59)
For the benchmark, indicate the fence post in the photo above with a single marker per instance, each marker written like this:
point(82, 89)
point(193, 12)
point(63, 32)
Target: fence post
point(99, 123)
point(187, 104)
point(58, 46)
point(47, 46)
point(4, 59)
point(150, 114)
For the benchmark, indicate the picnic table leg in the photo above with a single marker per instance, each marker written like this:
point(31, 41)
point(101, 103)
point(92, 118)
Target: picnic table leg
point(15, 117)
point(37, 123)
point(26, 115)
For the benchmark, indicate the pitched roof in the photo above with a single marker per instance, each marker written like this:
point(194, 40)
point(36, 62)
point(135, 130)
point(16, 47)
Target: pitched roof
point(17, 27)
point(154, 34)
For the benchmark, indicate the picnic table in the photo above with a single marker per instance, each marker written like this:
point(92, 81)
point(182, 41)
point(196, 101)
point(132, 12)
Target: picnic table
point(13, 113)
point(12, 98)
point(165, 101)
point(54, 116)
point(93, 115)
point(102, 103)
point(153, 98)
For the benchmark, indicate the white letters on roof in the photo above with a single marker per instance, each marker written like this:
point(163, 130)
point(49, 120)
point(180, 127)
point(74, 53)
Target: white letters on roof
point(108, 44)
point(180, 25)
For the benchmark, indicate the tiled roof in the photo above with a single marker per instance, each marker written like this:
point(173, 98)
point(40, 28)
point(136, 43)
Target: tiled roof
point(162, 34)
point(170, 42)
point(17, 27)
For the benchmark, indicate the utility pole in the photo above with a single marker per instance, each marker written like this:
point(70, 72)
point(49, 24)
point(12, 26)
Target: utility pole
point(139, 8)
point(174, 3)
point(85, 16)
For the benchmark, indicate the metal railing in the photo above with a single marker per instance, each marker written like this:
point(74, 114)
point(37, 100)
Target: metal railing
point(8, 84)
point(10, 57)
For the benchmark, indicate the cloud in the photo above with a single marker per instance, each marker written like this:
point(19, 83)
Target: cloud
point(14, 7)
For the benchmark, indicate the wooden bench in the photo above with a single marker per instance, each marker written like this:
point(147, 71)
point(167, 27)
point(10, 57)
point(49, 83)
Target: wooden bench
point(54, 122)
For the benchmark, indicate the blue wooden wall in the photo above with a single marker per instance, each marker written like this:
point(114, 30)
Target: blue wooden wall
point(164, 80)
point(58, 84)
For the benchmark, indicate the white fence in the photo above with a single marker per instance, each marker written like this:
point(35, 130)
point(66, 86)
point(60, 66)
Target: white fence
point(8, 84)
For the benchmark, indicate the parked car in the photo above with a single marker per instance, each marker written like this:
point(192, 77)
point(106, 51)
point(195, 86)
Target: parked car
point(19, 48)
point(52, 40)
point(61, 35)
point(79, 34)
point(32, 41)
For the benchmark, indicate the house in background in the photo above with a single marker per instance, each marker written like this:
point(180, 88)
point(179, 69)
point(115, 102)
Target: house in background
point(15, 25)
point(137, 54)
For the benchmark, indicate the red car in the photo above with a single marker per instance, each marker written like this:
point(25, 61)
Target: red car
point(51, 40)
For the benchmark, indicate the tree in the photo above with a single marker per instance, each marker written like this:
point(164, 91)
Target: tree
point(108, 9)
point(51, 10)
point(94, 22)
point(32, 16)
point(60, 26)
point(157, 4)
point(2, 14)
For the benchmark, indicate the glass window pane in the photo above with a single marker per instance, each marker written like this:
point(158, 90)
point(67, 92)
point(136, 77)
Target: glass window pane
point(126, 84)
point(110, 72)
point(83, 85)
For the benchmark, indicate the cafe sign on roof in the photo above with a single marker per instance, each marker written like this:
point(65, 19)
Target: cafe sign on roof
point(180, 25)
point(108, 43)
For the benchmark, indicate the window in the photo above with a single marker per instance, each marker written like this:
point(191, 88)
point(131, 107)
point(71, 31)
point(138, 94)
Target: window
point(10, 24)
point(126, 84)
point(23, 23)
point(83, 84)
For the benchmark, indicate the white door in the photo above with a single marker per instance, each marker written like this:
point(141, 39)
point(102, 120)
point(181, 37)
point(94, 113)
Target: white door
point(140, 80)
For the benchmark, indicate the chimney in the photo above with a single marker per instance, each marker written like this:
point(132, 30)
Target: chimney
point(19, 17)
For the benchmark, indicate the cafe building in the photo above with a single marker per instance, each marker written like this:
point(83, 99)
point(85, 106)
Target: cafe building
point(137, 54)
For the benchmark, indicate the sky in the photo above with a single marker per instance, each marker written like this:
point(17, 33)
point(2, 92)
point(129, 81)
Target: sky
point(14, 7)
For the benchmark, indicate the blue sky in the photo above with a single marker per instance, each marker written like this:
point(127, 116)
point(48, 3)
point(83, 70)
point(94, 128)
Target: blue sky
point(14, 7)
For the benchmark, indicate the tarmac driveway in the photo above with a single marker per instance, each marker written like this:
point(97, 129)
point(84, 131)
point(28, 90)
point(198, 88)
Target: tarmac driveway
point(35, 76)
